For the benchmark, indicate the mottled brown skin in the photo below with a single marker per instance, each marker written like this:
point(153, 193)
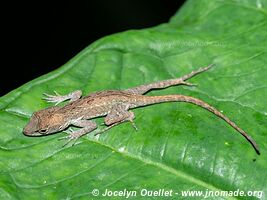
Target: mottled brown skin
point(114, 105)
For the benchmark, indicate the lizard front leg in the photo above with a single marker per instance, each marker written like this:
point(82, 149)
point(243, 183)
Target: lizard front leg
point(116, 117)
point(57, 98)
point(86, 127)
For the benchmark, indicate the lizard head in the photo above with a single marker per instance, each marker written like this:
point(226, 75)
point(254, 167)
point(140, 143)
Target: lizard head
point(44, 122)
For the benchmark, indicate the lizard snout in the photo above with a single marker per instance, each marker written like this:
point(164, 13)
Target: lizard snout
point(31, 128)
point(27, 131)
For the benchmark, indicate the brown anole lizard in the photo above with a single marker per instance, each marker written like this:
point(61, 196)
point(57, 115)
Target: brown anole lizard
point(114, 105)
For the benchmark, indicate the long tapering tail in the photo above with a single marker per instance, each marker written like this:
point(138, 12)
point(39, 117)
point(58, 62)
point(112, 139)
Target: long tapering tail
point(148, 100)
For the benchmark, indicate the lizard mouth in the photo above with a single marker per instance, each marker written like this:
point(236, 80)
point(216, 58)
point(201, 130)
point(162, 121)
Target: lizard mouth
point(28, 132)
point(32, 134)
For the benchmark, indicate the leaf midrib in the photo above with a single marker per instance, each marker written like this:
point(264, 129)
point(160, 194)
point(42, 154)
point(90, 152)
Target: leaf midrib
point(162, 166)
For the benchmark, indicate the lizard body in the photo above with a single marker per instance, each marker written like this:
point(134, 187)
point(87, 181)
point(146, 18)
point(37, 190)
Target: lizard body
point(114, 105)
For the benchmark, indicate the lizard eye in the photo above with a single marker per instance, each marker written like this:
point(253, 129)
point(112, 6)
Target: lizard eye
point(42, 131)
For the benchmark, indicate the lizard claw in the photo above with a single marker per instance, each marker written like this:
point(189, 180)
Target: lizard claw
point(102, 130)
point(70, 138)
point(69, 131)
point(57, 93)
point(134, 126)
point(99, 132)
point(63, 138)
point(189, 84)
point(102, 124)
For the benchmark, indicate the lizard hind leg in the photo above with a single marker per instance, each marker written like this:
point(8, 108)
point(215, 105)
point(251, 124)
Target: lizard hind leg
point(116, 117)
point(142, 89)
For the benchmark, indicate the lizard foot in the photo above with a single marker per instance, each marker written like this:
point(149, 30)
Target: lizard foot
point(57, 98)
point(73, 136)
point(115, 124)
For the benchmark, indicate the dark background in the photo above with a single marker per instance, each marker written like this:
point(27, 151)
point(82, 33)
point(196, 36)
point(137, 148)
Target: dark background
point(42, 36)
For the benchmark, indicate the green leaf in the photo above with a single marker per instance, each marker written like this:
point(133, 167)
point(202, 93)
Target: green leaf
point(178, 146)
